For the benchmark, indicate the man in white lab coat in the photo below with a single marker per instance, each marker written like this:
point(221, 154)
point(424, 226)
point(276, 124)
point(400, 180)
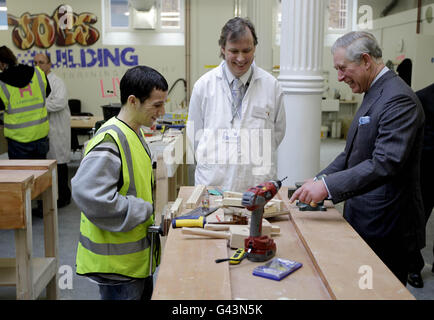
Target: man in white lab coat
point(236, 116)
point(59, 118)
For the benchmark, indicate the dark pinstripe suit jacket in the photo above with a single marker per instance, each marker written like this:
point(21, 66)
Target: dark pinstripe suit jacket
point(378, 171)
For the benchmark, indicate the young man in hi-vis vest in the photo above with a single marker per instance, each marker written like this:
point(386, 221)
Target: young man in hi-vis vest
point(113, 188)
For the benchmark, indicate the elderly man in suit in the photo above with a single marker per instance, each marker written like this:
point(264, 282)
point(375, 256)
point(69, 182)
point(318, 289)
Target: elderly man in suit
point(378, 171)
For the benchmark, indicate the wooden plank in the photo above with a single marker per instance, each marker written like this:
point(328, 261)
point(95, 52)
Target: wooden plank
point(161, 194)
point(232, 202)
point(188, 270)
point(176, 207)
point(42, 270)
point(42, 178)
point(304, 284)
point(339, 253)
point(51, 238)
point(84, 122)
point(23, 253)
point(13, 188)
point(27, 164)
point(194, 198)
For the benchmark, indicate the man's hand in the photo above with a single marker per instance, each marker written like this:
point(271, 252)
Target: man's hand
point(310, 191)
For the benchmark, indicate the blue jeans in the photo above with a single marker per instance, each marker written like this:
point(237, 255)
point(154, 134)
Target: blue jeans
point(31, 150)
point(138, 289)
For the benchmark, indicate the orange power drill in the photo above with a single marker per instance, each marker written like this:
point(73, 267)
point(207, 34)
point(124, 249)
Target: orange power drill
point(259, 247)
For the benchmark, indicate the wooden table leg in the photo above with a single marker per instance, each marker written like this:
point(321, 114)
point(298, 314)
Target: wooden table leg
point(49, 199)
point(23, 253)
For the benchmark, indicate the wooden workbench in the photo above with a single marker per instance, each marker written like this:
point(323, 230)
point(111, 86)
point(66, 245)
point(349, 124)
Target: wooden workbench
point(334, 258)
point(84, 122)
point(20, 182)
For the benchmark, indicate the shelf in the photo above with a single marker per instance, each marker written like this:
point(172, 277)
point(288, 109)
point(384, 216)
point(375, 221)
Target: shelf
point(43, 270)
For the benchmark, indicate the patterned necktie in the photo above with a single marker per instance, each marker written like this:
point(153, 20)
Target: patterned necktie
point(237, 95)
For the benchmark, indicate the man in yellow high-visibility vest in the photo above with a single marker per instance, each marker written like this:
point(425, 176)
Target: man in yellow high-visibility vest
point(113, 187)
point(23, 92)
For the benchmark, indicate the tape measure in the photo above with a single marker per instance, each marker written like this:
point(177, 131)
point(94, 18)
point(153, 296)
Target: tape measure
point(238, 256)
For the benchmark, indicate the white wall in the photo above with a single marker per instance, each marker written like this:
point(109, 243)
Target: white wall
point(207, 19)
point(391, 31)
point(91, 84)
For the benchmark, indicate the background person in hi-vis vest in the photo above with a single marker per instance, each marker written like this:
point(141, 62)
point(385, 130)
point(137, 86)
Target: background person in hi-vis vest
point(23, 92)
point(113, 189)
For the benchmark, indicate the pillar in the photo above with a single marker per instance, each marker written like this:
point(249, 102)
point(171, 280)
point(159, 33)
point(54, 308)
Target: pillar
point(260, 13)
point(301, 78)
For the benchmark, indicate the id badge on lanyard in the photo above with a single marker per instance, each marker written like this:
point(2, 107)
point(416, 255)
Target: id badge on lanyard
point(231, 136)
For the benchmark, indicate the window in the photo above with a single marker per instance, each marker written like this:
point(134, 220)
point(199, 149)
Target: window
point(159, 15)
point(338, 14)
point(3, 15)
point(170, 14)
point(119, 13)
point(143, 22)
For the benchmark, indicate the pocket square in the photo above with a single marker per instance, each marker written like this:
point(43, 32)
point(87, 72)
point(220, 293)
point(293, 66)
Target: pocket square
point(364, 120)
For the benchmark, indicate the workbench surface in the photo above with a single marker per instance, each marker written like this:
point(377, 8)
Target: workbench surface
point(337, 263)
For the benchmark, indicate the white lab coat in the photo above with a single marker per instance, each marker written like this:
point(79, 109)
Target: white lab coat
point(59, 118)
point(241, 153)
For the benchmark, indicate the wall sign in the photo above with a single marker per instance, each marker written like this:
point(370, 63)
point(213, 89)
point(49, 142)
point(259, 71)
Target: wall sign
point(63, 28)
point(85, 58)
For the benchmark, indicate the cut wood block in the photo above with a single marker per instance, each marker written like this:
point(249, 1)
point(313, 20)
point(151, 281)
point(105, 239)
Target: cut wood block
point(275, 214)
point(207, 233)
point(232, 202)
point(193, 200)
point(216, 227)
point(237, 233)
point(232, 194)
point(176, 207)
point(277, 203)
point(271, 208)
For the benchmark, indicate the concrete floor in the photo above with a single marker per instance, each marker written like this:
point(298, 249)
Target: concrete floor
point(83, 289)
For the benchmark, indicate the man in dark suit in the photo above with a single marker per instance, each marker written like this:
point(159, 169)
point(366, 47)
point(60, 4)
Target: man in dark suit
point(426, 97)
point(378, 171)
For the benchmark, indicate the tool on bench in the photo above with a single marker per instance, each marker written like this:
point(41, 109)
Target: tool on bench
point(236, 258)
point(194, 218)
point(155, 231)
point(313, 206)
point(259, 247)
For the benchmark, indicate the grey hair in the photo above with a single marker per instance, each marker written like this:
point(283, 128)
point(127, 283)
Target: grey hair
point(356, 43)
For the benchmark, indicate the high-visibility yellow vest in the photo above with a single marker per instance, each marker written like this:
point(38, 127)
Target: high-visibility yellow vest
point(125, 253)
point(25, 118)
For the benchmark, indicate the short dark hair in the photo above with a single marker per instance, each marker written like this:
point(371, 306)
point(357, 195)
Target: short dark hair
point(7, 56)
point(234, 29)
point(140, 81)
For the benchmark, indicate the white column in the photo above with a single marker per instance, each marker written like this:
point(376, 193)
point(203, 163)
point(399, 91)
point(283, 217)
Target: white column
point(301, 79)
point(260, 13)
